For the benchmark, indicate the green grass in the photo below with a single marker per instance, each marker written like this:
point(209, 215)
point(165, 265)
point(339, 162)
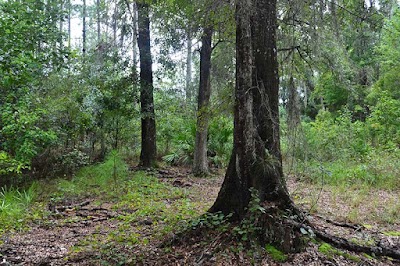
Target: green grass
point(96, 179)
point(138, 197)
point(14, 207)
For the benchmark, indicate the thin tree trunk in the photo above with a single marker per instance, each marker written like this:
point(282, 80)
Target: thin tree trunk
point(148, 150)
point(189, 67)
point(114, 25)
point(98, 21)
point(293, 107)
point(69, 24)
point(134, 34)
point(256, 158)
point(123, 32)
point(84, 29)
point(61, 23)
point(200, 164)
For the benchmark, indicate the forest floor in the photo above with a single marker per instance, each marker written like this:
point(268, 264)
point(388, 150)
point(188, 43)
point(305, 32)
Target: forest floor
point(137, 224)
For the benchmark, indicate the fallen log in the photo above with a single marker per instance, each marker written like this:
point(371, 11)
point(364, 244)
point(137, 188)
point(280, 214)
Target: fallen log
point(343, 243)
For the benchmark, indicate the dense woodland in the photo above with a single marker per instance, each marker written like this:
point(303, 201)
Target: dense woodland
point(209, 132)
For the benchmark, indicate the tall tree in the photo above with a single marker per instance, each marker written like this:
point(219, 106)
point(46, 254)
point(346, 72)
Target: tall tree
point(148, 149)
point(200, 164)
point(189, 66)
point(98, 21)
point(84, 28)
point(256, 158)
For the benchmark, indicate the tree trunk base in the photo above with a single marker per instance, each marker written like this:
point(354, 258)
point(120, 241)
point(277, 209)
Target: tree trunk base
point(276, 231)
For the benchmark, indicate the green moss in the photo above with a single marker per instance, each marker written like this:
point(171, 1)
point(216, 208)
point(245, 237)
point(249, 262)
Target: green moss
point(275, 254)
point(326, 249)
point(370, 242)
point(367, 226)
point(330, 251)
point(392, 233)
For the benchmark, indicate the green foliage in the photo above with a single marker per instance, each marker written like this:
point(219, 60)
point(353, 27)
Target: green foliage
point(29, 38)
point(248, 228)
point(70, 162)
point(212, 221)
point(220, 140)
point(331, 91)
point(340, 151)
point(23, 131)
point(384, 122)
point(330, 138)
point(9, 166)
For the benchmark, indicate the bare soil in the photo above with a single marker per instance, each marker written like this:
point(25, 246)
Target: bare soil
point(60, 238)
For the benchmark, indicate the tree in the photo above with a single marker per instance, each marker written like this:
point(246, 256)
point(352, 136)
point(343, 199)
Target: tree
point(148, 150)
point(200, 164)
point(215, 15)
point(256, 158)
point(84, 29)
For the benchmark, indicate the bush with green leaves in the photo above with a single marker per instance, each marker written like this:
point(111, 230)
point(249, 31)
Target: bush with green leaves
point(340, 151)
point(330, 138)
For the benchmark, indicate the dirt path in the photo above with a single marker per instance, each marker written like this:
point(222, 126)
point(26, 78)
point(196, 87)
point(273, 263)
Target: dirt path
point(66, 236)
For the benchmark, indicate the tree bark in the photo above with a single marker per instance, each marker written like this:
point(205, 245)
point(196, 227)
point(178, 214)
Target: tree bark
point(148, 124)
point(134, 34)
point(256, 158)
point(200, 163)
point(189, 67)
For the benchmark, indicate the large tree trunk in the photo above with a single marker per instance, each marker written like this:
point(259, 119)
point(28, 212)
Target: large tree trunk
point(256, 158)
point(200, 164)
point(148, 152)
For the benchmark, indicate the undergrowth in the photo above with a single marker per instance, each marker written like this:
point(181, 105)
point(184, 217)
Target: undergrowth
point(14, 207)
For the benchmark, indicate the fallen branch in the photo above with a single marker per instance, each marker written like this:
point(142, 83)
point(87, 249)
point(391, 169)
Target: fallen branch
point(339, 242)
point(64, 208)
point(345, 225)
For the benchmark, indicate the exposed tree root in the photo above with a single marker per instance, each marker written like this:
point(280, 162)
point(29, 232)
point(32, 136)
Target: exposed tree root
point(57, 209)
point(339, 242)
point(345, 225)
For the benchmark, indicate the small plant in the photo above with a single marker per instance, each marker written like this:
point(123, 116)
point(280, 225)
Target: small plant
point(211, 220)
point(248, 227)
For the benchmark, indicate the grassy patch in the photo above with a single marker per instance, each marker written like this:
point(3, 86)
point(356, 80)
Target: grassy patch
point(97, 179)
point(14, 207)
point(148, 208)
